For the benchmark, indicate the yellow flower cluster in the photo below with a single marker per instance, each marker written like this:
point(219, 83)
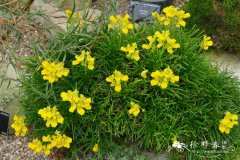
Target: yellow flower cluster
point(121, 22)
point(95, 148)
point(172, 14)
point(58, 140)
point(48, 142)
point(228, 122)
point(162, 78)
point(78, 101)
point(74, 17)
point(52, 71)
point(207, 42)
point(115, 80)
point(163, 40)
point(85, 59)
point(19, 126)
point(131, 51)
point(135, 109)
point(51, 115)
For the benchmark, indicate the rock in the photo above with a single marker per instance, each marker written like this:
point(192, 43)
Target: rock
point(9, 89)
point(91, 14)
point(19, 143)
point(54, 18)
point(80, 4)
point(159, 156)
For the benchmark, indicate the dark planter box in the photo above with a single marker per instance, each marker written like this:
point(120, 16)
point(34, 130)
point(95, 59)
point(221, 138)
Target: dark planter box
point(141, 10)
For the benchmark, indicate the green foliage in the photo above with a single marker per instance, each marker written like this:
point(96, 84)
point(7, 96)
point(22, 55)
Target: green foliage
point(189, 110)
point(219, 18)
point(200, 12)
point(121, 153)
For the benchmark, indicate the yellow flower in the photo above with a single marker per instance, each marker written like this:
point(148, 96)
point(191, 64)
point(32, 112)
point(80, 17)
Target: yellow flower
point(36, 146)
point(151, 40)
point(206, 43)
point(144, 74)
point(174, 79)
point(170, 11)
point(182, 15)
point(19, 126)
point(48, 142)
point(95, 148)
point(224, 129)
point(131, 50)
point(115, 80)
point(68, 12)
point(66, 141)
point(122, 23)
point(51, 143)
point(163, 40)
point(171, 43)
point(70, 95)
point(167, 72)
point(158, 17)
point(228, 122)
point(234, 117)
point(79, 58)
point(114, 20)
point(162, 78)
point(164, 84)
point(52, 71)
point(51, 115)
point(135, 109)
point(172, 14)
point(74, 17)
point(78, 101)
point(60, 141)
point(118, 86)
point(90, 62)
point(155, 14)
point(85, 59)
point(46, 138)
point(125, 24)
point(46, 150)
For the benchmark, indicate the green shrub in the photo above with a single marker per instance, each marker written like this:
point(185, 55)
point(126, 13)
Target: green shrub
point(219, 18)
point(187, 105)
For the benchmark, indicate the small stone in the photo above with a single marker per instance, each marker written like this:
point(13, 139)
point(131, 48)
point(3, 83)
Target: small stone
point(16, 149)
point(19, 143)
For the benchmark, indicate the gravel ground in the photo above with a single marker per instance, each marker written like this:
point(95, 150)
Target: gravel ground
point(15, 148)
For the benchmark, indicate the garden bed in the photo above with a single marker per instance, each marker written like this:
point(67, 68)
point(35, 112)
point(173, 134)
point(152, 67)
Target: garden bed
point(192, 102)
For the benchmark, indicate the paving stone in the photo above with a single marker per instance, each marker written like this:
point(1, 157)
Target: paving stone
point(54, 17)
